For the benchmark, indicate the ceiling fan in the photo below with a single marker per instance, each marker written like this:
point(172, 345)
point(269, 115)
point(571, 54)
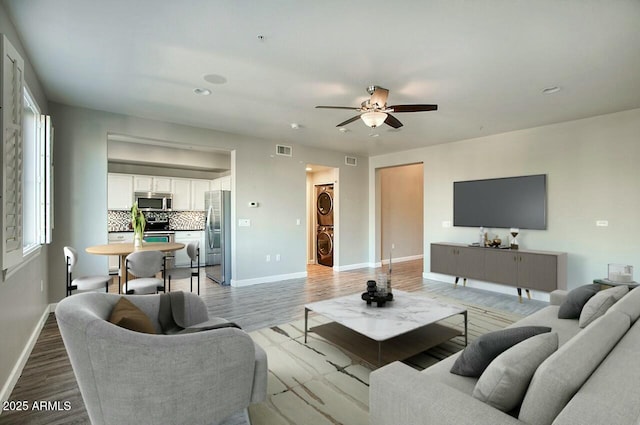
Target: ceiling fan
point(374, 111)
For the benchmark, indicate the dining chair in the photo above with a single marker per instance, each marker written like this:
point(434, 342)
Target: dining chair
point(144, 266)
point(193, 251)
point(84, 283)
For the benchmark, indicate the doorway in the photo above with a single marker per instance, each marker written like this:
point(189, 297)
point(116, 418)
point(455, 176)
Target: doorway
point(322, 215)
point(400, 212)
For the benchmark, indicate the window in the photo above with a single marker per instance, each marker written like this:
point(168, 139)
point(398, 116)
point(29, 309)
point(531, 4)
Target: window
point(31, 175)
point(37, 175)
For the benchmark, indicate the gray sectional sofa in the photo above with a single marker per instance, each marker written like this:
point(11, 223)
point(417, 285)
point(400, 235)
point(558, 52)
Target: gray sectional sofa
point(593, 378)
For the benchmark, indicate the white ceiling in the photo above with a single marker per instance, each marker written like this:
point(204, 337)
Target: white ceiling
point(483, 62)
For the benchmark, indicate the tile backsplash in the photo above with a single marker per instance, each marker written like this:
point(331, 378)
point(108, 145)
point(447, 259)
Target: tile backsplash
point(120, 221)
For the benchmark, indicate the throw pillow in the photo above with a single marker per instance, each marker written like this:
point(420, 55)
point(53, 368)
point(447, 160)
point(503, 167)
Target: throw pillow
point(600, 303)
point(127, 315)
point(477, 356)
point(576, 299)
point(505, 382)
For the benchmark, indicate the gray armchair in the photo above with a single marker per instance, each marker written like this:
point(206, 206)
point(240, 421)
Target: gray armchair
point(130, 377)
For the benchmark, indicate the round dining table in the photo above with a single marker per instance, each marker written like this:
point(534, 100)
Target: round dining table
point(124, 249)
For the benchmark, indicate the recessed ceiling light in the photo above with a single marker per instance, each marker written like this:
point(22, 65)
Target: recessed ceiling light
point(295, 126)
point(202, 92)
point(343, 130)
point(551, 90)
point(309, 169)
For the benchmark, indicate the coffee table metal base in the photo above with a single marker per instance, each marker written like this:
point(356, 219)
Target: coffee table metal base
point(379, 353)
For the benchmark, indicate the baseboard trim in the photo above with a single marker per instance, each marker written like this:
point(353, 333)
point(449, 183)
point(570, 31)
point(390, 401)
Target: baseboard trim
point(488, 286)
point(267, 279)
point(403, 259)
point(7, 389)
point(352, 267)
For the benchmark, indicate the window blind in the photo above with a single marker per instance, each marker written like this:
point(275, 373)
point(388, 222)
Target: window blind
point(12, 109)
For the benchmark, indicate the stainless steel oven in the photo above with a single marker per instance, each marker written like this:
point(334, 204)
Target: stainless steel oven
point(162, 236)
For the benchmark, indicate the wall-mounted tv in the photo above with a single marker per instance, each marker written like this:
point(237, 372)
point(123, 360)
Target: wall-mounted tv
point(505, 202)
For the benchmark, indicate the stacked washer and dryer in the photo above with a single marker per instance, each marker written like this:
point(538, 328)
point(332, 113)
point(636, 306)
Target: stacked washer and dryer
point(324, 237)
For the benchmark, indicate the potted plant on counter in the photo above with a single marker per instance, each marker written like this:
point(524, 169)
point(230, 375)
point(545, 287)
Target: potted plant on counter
point(137, 223)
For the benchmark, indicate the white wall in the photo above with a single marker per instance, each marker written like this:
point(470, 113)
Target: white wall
point(277, 183)
point(22, 301)
point(592, 174)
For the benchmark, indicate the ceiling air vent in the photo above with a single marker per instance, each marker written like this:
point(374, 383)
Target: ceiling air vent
point(351, 160)
point(283, 150)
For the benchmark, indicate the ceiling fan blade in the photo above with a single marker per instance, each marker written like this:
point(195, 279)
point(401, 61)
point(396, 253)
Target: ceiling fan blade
point(339, 107)
point(349, 121)
point(413, 108)
point(392, 121)
point(379, 96)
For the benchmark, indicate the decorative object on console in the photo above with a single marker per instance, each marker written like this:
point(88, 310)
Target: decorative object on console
point(137, 223)
point(514, 233)
point(620, 273)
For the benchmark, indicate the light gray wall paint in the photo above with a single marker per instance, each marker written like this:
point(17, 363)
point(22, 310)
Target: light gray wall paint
point(22, 302)
point(401, 191)
point(592, 174)
point(278, 183)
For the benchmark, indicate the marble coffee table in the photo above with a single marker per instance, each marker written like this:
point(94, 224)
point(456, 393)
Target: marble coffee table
point(380, 335)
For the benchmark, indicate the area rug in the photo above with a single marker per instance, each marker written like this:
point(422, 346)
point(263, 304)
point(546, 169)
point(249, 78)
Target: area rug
point(320, 384)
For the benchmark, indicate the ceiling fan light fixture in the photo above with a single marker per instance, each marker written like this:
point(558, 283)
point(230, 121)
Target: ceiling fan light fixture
point(373, 119)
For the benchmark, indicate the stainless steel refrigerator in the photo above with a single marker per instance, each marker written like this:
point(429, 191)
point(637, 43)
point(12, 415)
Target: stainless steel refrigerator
point(217, 249)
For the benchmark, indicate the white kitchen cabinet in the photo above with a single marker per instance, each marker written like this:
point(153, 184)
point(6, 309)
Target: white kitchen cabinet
point(185, 237)
point(119, 237)
point(162, 184)
point(143, 183)
point(198, 188)
point(119, 191)
point(181, 189)
point(151, 184)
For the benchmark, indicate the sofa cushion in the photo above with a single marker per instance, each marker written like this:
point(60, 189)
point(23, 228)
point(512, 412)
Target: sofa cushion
point(548, 316)
point(560, 376)
point(477, 356)
point(610, 394)
point(576, 299)
point(127, 315)
point(504, 383)
point(629, 304)
point(600, 303)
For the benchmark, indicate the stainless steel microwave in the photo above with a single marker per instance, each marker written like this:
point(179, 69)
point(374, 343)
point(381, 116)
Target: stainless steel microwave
point(153, 201)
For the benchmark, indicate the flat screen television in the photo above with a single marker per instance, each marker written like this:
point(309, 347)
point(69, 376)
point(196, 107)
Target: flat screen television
point(503, 203)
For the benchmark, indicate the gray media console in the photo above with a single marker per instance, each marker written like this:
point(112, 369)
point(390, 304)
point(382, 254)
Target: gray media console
point(539, 270)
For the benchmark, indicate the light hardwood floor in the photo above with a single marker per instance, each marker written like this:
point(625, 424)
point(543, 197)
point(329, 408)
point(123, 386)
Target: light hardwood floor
point(48, 376)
